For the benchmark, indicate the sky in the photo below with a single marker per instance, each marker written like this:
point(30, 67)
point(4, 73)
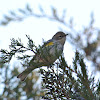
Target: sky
point(40, 29)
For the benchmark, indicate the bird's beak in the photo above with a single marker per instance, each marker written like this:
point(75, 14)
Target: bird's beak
point(66, 34)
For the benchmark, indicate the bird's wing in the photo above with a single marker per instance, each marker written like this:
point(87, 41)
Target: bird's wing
point(44, 48)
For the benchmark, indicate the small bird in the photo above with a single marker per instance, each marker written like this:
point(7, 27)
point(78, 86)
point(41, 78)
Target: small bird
point(47, 54)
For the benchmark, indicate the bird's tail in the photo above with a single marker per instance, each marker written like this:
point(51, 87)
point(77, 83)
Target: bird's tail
point(24, 74)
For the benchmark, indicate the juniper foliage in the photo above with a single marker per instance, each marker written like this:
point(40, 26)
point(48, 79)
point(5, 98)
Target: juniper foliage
point(60, 81)
point(67, 82)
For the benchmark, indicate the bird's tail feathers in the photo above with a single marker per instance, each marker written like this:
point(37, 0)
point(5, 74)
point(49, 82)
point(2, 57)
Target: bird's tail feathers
point(24, 74)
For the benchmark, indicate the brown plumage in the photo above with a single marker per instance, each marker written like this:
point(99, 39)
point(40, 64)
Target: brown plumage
point(47, 55)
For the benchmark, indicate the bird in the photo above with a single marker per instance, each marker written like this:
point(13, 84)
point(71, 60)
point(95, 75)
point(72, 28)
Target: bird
point(47, 54)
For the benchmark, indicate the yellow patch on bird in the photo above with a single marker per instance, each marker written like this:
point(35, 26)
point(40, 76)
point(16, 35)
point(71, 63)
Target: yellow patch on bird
point(50, 43)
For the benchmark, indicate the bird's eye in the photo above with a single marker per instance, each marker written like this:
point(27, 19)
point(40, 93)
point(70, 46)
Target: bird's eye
point(60, 36)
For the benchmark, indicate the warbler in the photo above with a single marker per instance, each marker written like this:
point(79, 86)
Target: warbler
point(47, 54)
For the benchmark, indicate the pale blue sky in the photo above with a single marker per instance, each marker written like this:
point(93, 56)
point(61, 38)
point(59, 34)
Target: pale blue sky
point(79, 9)
point(40, 29)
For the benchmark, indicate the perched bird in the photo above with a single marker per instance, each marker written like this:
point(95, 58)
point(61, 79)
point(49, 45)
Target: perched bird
point(47, 54)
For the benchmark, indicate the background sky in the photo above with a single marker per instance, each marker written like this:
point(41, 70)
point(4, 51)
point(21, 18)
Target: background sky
point(39, 29)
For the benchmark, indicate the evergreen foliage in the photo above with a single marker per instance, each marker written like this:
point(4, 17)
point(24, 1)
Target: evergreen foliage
point(60, 81)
